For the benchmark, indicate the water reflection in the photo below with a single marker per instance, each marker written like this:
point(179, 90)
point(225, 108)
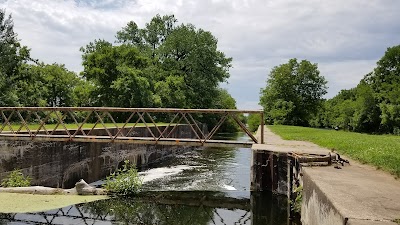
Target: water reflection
point(164, 208)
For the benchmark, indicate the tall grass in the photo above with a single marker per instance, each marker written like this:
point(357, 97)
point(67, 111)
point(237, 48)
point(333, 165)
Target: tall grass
point(382, 151)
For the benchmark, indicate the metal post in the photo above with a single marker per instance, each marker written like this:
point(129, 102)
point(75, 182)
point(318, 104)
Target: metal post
point(262, 128)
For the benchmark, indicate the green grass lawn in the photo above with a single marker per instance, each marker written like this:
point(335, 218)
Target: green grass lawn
point(382, 151)
point(49, 127)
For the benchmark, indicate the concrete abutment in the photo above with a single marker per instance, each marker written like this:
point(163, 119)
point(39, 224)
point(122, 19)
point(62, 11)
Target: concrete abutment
point(349, 194)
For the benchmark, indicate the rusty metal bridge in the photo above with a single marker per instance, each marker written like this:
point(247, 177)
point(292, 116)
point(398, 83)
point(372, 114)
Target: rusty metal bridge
point(121, 125)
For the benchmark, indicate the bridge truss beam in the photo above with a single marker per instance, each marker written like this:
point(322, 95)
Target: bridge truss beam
point(77, 124)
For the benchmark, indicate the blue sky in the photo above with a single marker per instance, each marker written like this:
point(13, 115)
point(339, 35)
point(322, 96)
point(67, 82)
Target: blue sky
point(345, 37)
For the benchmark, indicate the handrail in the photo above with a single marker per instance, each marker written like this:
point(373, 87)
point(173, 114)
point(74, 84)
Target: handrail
point(118, 109)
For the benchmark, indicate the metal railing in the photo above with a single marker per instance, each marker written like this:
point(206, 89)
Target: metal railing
point(121, 125)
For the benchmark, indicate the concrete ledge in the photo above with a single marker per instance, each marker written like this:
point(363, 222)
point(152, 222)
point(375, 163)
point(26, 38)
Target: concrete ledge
point(368, 222)
point(352, 195)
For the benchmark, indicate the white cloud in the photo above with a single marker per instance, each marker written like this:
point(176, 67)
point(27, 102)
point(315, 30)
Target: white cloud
point(345, 75)
point(345, 37)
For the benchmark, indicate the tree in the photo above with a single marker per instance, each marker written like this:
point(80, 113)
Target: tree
point(46, 85)
point(118, 74)
point(225, 101)
point(373, 106)
point(160, 65)
point(385, 83)
point(293, 93)
point(60, 84)
point(366, 116)
point(193, 55)
point(31, 87)
point(253, 121)
point(341, 109)
point(151, 37)
point(188, 62)
point(12, 56)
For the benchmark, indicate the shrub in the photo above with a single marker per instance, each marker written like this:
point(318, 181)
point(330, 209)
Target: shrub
point(253, 121)
point(298, 192)
point(16, 179)
point(124, 181)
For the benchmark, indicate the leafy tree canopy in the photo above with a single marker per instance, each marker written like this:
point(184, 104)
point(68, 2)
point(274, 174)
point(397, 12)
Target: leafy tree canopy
point(12, 55)
point(293, 93)
point(160, 65)
point(373, 106)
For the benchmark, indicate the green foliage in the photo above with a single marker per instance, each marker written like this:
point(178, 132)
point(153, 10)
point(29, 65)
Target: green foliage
point(160, 65)
point(293, 93)
point(253, 121)
point(27, 82)
point(382, 151)
point(124, 181)
point(298, 192)
point(16, 179)
point(46, 85)
point(12, 55)
point(225, 101)
point(372, 106)
point(117, 74)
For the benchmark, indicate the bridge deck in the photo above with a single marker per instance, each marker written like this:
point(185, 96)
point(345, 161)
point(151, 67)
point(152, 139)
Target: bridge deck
point(128, 140)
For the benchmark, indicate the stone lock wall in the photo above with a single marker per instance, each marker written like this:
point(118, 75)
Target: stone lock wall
point(61, 164)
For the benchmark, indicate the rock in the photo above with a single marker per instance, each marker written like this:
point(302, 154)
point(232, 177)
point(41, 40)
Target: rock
point(82, 188)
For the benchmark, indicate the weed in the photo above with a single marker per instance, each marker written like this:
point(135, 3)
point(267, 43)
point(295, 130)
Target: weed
point(16, 179)
point(298, 192)
point(124, 181)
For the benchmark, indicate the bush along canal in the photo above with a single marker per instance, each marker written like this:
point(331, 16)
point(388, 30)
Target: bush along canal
point(208, 186)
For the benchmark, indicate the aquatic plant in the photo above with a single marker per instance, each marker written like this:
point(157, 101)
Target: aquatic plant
point(124, 181)
point(16, 179)
point(298, 192)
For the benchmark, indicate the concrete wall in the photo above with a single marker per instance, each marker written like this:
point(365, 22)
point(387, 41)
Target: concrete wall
point(316, 208)
point(59, 164)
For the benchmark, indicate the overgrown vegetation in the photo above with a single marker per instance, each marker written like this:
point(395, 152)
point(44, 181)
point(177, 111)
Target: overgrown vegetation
point(382, 151)
point(16, 179)
point(124, 181)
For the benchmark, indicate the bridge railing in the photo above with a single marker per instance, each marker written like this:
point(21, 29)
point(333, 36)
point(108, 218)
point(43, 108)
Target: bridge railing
point(77, 124)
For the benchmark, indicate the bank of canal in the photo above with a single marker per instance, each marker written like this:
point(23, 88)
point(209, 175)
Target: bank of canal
point(209, 186)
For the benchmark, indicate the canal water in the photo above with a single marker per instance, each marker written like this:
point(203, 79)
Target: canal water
point(204, 187)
